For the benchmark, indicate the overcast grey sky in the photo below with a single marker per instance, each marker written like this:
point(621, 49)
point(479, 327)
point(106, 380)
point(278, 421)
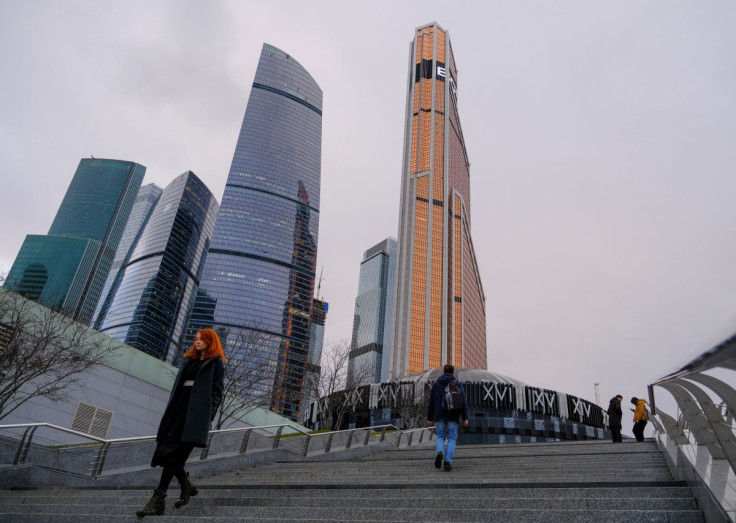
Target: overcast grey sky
point(601, 137)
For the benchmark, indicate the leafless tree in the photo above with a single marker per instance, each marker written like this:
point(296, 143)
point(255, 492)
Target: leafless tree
point(410, 404)
point(339, 392)
point(42, 352)
point(248, 375)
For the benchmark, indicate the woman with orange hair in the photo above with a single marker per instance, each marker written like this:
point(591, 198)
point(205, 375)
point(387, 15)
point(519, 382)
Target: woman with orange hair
point(192, 406)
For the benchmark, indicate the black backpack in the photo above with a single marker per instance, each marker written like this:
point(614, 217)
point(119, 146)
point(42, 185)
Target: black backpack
point(452, 398)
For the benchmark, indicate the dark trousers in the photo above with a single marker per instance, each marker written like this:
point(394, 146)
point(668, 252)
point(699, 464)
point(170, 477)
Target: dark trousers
point(639, 429)
point(616, 434)
point(168, 474)
point(173, 464)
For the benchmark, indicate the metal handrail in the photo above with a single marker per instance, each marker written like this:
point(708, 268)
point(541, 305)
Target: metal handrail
point(98, 462)
point(704, 422)
point(700, 440)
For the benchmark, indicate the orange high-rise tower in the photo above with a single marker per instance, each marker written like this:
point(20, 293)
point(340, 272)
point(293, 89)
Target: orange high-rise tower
point(440, 301)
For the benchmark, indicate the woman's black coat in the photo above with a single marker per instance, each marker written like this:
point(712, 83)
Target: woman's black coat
point(203, 402)
point(614, 413)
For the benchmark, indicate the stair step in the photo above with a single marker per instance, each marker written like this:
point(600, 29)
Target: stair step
point(565, 483)
point(85, 512)
point(427, 491)
point(112, 505)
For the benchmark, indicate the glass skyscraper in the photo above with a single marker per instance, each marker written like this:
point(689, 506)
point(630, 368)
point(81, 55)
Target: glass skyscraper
point(151, 297)
point(67, 268)
point(440, 302)
point(260, 268)
point(314, 358)
point(142, 207)
point(53, 270)
point(371, 346)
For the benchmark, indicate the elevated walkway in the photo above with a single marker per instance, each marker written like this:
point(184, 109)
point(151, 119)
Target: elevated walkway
point(540, 482)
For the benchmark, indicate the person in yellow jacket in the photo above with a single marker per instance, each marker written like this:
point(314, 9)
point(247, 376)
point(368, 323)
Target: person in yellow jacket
point(640, 417)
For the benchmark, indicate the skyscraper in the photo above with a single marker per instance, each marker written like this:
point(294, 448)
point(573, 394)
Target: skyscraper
point(142, 207)
point(67, 268)
point(53, 270)
point(371, 346)
point(440, 301)
point(260, 269)
point(149, 302)
point(314, 358)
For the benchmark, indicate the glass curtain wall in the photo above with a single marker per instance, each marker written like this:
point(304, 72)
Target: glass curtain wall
point(258, 281)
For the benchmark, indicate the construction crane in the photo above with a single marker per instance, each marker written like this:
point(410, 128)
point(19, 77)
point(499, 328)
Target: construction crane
point(319, 284)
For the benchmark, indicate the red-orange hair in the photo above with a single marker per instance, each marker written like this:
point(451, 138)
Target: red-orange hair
point(214, 347)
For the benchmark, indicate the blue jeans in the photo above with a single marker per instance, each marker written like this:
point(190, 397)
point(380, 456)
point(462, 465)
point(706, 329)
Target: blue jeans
point(446, 430)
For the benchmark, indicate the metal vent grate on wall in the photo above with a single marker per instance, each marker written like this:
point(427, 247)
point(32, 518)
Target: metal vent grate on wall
point(92, 420)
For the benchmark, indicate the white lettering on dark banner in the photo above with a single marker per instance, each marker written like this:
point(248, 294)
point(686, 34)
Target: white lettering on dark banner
point(352, 398)
point(581, 408)
point(493, 393)
point(543, 399)
point(393, 395)
point(382, 393)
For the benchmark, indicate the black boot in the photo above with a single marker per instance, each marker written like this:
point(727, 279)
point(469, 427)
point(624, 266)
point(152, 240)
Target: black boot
point(187, 490)
point(155, 506)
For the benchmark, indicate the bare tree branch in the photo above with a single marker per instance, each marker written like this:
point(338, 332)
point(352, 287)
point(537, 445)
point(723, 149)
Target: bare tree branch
point(42, 352)
point(340, 392)
point(410, 403)
point(248, 374)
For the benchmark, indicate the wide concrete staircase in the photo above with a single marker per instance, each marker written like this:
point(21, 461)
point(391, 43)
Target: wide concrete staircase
point(542, 482)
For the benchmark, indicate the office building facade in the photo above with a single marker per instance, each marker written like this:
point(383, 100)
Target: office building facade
point(260, 269)
point(53, 270)
point(147, 197)
point(371, 345)
point(84, 234)
point(440, 300)
point(314, 357)
point(150, 300)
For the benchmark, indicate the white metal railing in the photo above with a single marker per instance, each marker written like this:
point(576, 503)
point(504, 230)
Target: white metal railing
point(705, 421)
point(236, 441)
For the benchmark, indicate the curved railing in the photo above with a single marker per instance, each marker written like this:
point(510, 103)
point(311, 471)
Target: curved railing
point(700, 441)
point(221, 443)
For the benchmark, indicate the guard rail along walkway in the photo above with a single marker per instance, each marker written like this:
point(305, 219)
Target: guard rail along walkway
point(699, 442)
point(111, 460)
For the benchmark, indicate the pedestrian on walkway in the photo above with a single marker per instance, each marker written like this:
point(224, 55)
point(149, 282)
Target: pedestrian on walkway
point(614, 417)
point(185, 424)
point(640, 417)
point(446, 418)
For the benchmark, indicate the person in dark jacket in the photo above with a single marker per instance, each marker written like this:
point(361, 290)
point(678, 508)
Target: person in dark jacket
point(192, 406)
point(614, 417)
point(446, 422)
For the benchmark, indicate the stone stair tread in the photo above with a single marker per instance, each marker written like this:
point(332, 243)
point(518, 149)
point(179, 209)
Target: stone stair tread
point(368, 501)
point(548, 482)
point(56, 495)
point(360, 514)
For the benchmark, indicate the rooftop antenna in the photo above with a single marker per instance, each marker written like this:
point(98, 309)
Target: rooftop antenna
point(597, 394)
